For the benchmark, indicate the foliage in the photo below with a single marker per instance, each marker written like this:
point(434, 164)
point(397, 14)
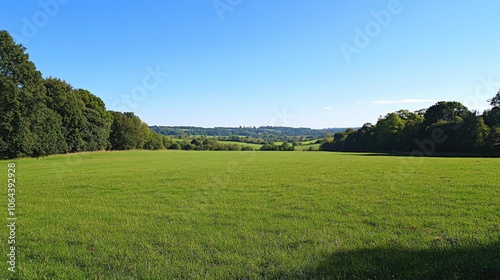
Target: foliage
point(27, 126)
point(127, 132)
point(98, 121)
point(63, 99)
point(273, 147)
point(446, 127)
point(42, 117)
point(495, 101)
point(265, 134)
point(209, 144)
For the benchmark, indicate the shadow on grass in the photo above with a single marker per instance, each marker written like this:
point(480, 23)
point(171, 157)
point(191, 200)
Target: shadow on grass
point(365, 154)
point(420, 154)
point(481, 262)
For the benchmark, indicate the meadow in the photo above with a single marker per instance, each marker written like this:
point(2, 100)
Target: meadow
point(251, 145)
point(254, 215)
point(315, 147)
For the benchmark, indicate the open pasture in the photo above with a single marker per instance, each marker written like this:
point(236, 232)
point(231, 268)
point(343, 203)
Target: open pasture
point(255, 215)
point(306, 147)
point(251, 145)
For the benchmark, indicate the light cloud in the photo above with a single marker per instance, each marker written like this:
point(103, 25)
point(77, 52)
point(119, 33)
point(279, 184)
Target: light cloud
point(327, 108)
point(405, 101)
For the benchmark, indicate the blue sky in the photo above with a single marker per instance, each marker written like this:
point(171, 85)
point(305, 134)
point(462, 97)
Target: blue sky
point(251, 63)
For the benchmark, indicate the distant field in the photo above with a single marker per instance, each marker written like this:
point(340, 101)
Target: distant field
point(306, 147)
point(308, 142)
point(254, 146)
point(255, 215)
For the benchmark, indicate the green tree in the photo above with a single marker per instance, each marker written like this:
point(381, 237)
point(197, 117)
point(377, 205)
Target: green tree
point(49, 136)
point(450, 112)
point(175, 146)
point(96, 132)
point(154, 141)
point(364, 138)
point(27, 126)
point(492, 117)
point(492, 120)
point(127, 131)
point(166, 141)
point(445, 118)
point(473, 134)
point(387, 132)
point(495, 101)
point(411, 130)
point(63, 100)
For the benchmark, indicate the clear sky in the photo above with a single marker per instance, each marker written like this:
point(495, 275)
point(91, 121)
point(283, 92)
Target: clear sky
point(296, 63)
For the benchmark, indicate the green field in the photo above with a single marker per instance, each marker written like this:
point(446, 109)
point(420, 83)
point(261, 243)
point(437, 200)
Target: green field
point(306, 147)
point(254, 215)
point(253, 146)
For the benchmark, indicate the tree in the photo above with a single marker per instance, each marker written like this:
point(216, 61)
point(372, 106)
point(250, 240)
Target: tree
point(445, 118)
point(27, 126)
point(494, 140)
point(63, 100)
point(495, 101)
point(166, 141)
point(127, 132)
point(175, 146)
point(364, 138)
point(387, 132)
point(411, 130)
point(153, 140)
point(49, 137)
point(473, 134)
point(492, 117)
point(269, 147)
point(96, 132)
point(450, 112)
point(285, 146)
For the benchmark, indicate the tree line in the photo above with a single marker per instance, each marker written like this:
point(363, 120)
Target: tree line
point(276, 133)
point(207, 144)
point(40, 117)
point(444, 128)
point(273, 147)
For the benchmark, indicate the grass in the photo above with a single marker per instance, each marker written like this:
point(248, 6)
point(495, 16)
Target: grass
point(251, 145)
point(255, 215)
point(254, 146)
point(306, 147)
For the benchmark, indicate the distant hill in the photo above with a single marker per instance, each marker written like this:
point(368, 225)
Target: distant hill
point(262, 131)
